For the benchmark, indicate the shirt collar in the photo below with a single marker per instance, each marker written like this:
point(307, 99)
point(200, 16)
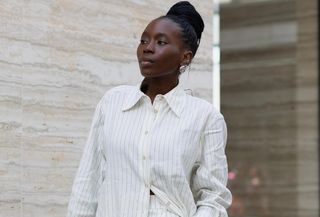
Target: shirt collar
point(133, 97)
point(175, 99)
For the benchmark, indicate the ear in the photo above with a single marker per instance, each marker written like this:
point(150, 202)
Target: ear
point(186, 57)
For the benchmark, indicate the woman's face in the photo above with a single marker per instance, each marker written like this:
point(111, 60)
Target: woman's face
point(161, 50)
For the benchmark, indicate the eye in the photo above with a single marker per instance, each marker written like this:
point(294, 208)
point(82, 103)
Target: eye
point(160, 42)
point(143, 41)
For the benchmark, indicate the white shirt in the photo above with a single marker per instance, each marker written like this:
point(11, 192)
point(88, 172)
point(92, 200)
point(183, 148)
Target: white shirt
point(175, 147)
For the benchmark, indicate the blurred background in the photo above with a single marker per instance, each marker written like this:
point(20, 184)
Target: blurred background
point(257, 63)
point(269, 96)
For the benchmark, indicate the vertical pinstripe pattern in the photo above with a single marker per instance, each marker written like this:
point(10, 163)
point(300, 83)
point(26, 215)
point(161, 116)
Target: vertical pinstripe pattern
point(175, 147)
point(158, 209)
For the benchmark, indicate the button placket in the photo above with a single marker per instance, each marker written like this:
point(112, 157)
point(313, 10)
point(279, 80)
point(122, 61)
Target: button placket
point(147, 127)
point(151, 116)
point(156, 107)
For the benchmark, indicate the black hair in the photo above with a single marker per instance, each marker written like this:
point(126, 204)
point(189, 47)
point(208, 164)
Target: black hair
point(186, 16)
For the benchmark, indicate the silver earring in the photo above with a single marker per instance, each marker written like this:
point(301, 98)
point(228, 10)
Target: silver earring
point(182, 68)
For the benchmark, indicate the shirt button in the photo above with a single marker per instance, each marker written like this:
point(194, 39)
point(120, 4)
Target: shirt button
point(144, 157)
point(146, 132)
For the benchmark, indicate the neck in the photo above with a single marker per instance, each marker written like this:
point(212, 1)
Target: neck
point(153, 86)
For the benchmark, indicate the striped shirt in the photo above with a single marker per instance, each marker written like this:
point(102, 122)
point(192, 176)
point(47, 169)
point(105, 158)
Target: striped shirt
point(174, 147)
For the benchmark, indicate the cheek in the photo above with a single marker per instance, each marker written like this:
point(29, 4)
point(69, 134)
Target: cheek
point(138, 50)
point(171, 58)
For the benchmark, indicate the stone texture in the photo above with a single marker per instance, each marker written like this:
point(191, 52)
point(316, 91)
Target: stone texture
point(307, 81)
point(269, 99)
point(57, 58)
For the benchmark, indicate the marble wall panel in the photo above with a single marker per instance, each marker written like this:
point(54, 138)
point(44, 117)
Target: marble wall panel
point(242, 13)
point(10, 140)
point(269, 98)
point(307, 108)
point(57, 58)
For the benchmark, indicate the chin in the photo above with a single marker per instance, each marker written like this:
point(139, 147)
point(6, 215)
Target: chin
point(147, 73)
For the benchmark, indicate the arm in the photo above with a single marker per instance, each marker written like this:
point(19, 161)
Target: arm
point(84, 196)
point(210, 179)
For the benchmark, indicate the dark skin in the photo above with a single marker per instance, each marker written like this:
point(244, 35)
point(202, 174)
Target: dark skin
point(160, 53)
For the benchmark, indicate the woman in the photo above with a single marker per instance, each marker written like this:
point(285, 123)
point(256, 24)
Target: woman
point(153, 150)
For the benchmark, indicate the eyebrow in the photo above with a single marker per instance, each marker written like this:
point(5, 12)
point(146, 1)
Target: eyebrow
point(160, 34)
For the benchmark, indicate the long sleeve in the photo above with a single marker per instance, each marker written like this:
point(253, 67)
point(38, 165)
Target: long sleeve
point(84, 196)
point(209, 181)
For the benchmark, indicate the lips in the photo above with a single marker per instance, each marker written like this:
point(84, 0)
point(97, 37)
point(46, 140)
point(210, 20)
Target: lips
point(146, 61)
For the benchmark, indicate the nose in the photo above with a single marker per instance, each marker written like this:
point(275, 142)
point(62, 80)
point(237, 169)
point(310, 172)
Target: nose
point(149, 48)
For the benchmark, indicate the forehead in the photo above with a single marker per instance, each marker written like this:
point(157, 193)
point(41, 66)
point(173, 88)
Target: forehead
point(164, 26)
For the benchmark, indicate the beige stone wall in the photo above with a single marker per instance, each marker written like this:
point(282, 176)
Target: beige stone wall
point(307, 106)
point(270, 101)
point(57, 58)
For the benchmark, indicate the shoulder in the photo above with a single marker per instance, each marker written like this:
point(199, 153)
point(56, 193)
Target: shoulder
point(202, 106)
point(115, 96)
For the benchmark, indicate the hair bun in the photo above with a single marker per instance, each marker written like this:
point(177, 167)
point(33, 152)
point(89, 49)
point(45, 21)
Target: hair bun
point(185, 10)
